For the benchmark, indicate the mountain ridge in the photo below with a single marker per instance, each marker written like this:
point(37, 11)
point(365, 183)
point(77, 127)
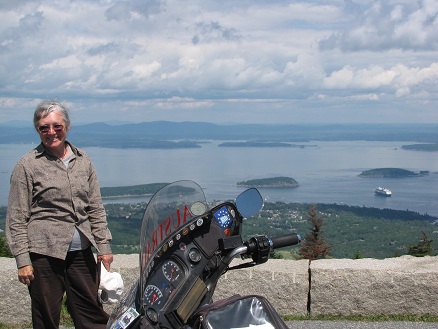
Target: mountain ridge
point(141, 134)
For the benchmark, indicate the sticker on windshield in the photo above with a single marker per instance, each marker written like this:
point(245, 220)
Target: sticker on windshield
point(126, 319)
point(224, 219)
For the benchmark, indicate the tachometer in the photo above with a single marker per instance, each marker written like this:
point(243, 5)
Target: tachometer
point(172, 271)
point(153, 297)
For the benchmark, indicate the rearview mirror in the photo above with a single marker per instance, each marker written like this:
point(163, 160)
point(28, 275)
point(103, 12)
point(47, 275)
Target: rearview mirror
point(249, 202)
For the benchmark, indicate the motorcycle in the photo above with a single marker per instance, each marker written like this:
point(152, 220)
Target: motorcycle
point(185, 247)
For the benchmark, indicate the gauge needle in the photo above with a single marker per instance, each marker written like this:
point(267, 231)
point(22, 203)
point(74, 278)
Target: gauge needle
point(154, 298)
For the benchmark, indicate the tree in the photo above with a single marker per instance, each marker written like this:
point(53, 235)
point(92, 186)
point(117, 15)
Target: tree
point(357, 255)
point(273, 254)
point(4, 249)
point(314, 245)
point(422, 248)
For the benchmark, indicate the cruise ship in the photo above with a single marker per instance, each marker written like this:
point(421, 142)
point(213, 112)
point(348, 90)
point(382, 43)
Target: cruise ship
point(382, 191)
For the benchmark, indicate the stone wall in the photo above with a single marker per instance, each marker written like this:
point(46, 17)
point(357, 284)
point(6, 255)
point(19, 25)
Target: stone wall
point(393, 286)
point(403, 285)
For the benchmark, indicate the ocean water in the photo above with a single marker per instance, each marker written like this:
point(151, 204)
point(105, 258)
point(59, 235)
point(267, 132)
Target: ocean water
point(326, 171)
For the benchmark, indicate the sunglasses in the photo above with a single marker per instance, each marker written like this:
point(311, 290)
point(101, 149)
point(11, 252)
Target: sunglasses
point(46, 128)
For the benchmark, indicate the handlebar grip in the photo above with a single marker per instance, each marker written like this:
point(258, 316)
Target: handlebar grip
point(285, 240)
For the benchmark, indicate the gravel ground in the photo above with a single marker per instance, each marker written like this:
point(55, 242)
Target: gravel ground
point(349, 325)
point(360, 325)
point(354, 325)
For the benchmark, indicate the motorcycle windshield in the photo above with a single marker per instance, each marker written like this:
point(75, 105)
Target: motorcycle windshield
point(169, 213)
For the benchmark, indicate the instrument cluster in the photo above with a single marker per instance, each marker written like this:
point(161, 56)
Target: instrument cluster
point(163, 283)
point(186, 261)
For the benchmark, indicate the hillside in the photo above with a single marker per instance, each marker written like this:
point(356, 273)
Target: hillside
point(368, 232)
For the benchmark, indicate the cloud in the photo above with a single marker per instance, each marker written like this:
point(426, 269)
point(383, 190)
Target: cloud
point(120, 11)
point(384, 25)
point(279, 59)
point(213, 32)
point(374, 77)
point(125, 10)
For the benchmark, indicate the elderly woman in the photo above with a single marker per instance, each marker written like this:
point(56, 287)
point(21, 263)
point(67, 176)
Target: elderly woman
point(55, 214)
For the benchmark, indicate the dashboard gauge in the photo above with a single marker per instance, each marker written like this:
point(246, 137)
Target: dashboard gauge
point(198, 208)
point(172, 271)
point(195, 255)
point(153, 297)
point(152, 315)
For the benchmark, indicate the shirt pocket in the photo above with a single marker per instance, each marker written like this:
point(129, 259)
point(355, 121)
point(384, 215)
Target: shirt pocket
point(49, 185)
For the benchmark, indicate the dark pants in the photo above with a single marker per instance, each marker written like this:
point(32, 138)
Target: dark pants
point(77, 277)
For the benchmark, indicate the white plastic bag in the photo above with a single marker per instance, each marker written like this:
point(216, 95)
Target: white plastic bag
point(110, 287)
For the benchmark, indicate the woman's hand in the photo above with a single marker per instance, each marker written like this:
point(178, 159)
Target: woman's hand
point(106, 260)
point(25, 274)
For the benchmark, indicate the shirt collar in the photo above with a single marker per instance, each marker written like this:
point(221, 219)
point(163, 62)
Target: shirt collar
point(40, 150)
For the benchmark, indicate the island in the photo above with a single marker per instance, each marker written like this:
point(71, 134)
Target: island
point(133, 190)
point(421, 147)
point(274, 182)
point(263, 144)
point(391, 173)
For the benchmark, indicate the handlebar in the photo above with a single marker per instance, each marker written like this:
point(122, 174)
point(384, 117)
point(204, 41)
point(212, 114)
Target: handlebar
point(259, 247)
point(285, 240)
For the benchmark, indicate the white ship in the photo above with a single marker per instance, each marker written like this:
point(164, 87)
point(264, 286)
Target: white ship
point(382, 191)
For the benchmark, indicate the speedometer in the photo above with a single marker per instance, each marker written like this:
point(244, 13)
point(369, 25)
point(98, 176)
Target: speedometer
point(172, 271)
point(153, 297)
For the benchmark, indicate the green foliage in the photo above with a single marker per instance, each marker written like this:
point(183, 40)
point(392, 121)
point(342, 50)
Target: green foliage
point(388, 172)
point(376, 233)
point(124, 222)
point(422, 248)
point(270, 182)
point(65, 319)
point(144, 189)
point(275, 255)
point(314, 245)
point(4, 248)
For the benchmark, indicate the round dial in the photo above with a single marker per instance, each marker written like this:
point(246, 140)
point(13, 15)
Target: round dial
point(198, 208)
point(195, 255)
point(172, 271)
point(153, 297)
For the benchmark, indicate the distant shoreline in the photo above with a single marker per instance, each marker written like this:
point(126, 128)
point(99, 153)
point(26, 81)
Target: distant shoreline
point(391, 173)
point(177, 135)
point(131, 191)
point(431, 147)
point(126, 196)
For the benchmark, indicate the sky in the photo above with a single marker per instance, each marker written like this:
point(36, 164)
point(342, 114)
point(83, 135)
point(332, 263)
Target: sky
point(228, 61)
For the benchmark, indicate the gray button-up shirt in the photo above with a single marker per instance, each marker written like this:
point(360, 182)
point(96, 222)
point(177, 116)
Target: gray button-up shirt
point(47, 201)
